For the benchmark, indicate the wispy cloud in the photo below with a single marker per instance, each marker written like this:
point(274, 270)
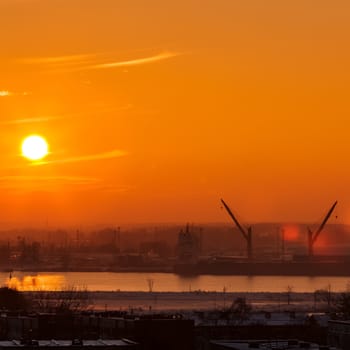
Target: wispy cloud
point(46, 183)
point(91, 157)
point(58, 59)
point(63, 179)
point(6, 93)
point(135, 62)
point(27, 184)
point(92, 62)
point(85, 114)
point(28, 120)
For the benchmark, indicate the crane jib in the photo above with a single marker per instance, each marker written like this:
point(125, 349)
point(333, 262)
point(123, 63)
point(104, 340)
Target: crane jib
point(317, 233)
point(244, 233)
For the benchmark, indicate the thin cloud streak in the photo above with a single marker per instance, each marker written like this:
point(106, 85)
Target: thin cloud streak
point(94, 62)
point(135, 62)
point(65, 179)
point(28, 120)
point(25, 184)
point(92, 157)
point(29, 184)
point(65, 116)
point(57, 59)
point(5, 93)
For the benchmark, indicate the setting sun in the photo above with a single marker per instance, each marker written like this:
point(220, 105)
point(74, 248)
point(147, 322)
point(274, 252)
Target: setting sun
point(34, 147)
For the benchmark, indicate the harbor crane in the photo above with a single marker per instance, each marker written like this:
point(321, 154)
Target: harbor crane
point(312, 236)
point(247, 234)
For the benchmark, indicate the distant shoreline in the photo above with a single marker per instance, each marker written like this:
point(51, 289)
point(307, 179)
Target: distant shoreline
point(165, 269)
point(200, 300)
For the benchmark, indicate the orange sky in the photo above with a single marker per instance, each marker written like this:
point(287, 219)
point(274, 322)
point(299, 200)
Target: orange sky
point(187, 102)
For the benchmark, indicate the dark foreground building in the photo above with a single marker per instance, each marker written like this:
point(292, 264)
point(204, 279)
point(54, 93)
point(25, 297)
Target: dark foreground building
point(76, 344)
point(266, 344)
point(339, 334)
point(155, 332)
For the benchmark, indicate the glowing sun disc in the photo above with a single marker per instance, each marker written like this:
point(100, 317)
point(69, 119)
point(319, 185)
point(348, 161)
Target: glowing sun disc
point(35, 147)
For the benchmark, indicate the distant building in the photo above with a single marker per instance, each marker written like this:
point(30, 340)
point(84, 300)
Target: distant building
point(188, 246)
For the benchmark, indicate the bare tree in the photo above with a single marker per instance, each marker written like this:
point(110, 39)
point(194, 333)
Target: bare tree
point(150, 283)
point(342, 305)
point(71, 299)
point(324, 294)
point(240, 309)
point(224, 290)
point(289, 290)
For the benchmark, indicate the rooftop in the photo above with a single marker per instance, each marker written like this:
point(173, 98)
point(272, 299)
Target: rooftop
point(67, 343)
point(268, 344)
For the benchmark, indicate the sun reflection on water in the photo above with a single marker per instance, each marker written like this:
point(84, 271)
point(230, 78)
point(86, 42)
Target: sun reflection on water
point(36, 283)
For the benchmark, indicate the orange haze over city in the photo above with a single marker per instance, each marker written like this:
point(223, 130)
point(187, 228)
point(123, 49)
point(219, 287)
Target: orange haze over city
point(154, 110)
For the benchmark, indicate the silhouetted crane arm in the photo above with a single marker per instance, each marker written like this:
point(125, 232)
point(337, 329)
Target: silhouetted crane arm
point(317, 233)
point(234, 219)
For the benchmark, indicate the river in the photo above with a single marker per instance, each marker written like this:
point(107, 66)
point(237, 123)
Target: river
point(168, 282)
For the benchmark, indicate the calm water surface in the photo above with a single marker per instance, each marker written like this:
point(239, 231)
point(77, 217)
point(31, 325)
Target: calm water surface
point(167, 282)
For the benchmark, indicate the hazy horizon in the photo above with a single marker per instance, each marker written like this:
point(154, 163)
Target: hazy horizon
point(182, 225)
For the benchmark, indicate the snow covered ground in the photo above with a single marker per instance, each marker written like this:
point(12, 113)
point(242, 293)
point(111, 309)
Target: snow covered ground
point(178, 301)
